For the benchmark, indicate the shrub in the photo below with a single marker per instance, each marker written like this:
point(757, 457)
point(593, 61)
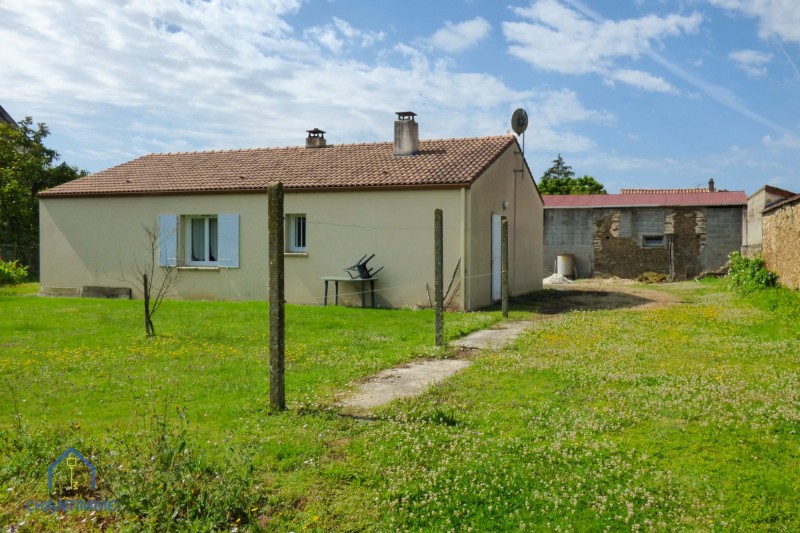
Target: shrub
point(652, 277)
point(12, 273)
point(746, 274)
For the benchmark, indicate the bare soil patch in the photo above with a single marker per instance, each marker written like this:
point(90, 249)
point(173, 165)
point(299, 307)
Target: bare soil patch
point(598, 295)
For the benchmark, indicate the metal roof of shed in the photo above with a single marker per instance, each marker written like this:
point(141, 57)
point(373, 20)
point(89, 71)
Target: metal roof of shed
point(659, 199)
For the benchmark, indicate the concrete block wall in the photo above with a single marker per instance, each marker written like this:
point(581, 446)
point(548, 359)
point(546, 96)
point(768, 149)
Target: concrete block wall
point(724, 235)
point(609, 242)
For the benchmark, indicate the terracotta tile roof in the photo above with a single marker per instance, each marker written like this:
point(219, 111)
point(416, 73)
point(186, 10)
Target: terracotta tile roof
point(440, 163)
point(723, 198)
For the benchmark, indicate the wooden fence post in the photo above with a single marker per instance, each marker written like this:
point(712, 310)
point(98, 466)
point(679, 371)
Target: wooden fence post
point(438, 272)
point(504, 264)
point(277, 318)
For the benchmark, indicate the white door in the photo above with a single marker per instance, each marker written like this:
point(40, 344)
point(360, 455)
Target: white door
point(496, 260)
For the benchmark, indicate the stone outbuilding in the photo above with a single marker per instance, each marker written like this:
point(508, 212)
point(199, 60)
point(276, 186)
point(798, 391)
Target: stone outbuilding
point(677, 232)
point(781, 240)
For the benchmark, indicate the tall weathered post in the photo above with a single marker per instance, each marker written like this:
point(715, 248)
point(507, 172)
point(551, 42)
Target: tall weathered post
point(438, 271)
point(504, 264)
point(277, 318)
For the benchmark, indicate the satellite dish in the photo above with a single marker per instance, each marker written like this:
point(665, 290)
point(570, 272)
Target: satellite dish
point(519, 121)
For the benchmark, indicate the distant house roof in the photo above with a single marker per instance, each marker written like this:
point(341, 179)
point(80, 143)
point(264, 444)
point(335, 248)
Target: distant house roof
point(5, 117)
point(440, 163)
point(774, 190)
point(776, 205)
point(659, 199)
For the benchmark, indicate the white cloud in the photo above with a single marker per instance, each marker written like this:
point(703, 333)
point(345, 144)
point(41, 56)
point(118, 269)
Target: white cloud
point(163, 76)
point(751, 61)
point(642, 80)
point(557, 108)
point(779, 18)
point(339, 33)
point(784, 142)
point(561, 39)
point(460, 36)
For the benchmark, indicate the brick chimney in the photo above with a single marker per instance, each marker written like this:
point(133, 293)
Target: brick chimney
point(315, 139)
point(406, 134)
point(711, 185)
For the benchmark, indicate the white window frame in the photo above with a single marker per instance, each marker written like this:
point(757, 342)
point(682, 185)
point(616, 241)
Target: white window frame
point(297, 233)
point(206, 260)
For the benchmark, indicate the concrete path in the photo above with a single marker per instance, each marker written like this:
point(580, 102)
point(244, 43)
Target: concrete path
point(493, 339)
point(414, 378)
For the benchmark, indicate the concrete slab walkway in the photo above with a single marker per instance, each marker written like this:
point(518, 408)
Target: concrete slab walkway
point(414, 378)
point(493, 339)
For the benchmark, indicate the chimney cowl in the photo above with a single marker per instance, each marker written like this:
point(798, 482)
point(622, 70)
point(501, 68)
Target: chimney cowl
point(406, 134)
point(316, 138)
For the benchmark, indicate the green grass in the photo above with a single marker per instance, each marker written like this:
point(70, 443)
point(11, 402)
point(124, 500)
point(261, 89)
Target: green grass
point(680, 418)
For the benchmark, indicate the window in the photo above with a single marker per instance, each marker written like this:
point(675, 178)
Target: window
point(652, 241)
point(201, 240)
point(205, 240)
point(297, 233)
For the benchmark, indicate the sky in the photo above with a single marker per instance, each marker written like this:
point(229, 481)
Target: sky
point(637, 93)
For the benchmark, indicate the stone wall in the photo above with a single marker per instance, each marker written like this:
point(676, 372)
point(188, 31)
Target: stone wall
point(781, 243)
point(612, 242)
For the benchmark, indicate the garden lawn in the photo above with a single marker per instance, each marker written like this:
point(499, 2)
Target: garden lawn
point(679, 418)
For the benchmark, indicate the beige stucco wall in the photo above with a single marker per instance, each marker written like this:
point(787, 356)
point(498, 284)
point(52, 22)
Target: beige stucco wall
point(525, 228)
point(752, 233)
point(781, 235)
point(94, 241)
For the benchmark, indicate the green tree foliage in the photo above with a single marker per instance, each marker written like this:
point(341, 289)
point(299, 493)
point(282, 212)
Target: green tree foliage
point(560, 179)
point(27, 166)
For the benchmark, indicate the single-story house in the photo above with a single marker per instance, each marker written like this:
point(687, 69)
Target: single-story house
point(781, 240)
point(756, 203)
point(341, 202)
point(6, 118)
point(677, 232)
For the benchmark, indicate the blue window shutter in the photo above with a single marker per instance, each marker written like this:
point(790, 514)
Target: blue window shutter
point(167, 240)
point(228, 242)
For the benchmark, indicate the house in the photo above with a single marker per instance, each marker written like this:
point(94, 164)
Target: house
point(751, 234)
point(341, 202)
point(781, 235)
point(678, 232)
point(6, 118)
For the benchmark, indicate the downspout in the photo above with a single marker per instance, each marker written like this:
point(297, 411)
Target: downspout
point(464, 271)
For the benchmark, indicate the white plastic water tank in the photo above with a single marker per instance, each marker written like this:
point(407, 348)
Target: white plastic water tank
point(565, 265)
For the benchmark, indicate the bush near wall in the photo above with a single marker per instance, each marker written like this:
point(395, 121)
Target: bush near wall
point(748, 274)
point(12, 273)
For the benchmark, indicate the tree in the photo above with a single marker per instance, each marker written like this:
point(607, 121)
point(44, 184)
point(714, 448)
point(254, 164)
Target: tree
point(27, 166)
point(145, 279)
point(560, 179)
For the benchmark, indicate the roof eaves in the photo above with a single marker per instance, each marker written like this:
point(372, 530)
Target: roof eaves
point(255, 190)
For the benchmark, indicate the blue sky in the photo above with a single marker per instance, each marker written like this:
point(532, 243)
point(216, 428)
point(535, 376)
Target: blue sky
point(639, 93)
